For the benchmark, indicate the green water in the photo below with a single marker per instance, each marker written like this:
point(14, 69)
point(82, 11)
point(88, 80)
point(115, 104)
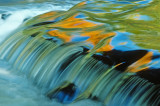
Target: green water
point(57, 52)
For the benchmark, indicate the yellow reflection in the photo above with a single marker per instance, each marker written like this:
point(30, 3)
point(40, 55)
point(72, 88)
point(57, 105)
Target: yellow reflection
point(141, 64)
point(94, 35)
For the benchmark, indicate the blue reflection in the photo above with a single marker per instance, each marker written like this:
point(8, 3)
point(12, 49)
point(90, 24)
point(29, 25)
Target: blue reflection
point(79, 38)
point(122, 42)
point(65, 97)
point(80, 16)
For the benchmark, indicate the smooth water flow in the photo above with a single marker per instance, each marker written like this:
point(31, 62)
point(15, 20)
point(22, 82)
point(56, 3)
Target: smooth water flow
point(88, 55)
point(15, 89)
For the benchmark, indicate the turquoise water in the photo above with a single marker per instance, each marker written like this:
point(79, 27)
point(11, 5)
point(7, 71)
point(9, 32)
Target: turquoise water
point(15, 88)
point(48, 61)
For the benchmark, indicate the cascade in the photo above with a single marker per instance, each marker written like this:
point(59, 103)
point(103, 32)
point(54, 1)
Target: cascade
point(74, 55)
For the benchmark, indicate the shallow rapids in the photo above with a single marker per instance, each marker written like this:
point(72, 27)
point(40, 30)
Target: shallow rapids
point(15, 88)
point(94, 53)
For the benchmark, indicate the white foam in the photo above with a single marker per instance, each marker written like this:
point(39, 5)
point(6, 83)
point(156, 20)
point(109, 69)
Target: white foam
point(18, 15)
point(16, 90)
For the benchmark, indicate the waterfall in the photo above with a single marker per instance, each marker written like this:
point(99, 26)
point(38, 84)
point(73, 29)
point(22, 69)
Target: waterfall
point(44, 49)
point(54, 67)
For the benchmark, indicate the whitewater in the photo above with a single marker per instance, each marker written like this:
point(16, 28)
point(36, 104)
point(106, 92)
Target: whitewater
point(95, 53)
point(15, 88)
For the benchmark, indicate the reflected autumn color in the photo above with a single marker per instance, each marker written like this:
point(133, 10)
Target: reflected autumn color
point(90, 23)
point(81, 28)
point(134, 17)
point(127, 24)
point(99, 49)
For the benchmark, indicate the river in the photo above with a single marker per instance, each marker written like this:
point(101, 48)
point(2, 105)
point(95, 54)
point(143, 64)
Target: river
point(15, 89)
point(132, 24)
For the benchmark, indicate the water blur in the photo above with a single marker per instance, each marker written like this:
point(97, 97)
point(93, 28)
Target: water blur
point(97, 50)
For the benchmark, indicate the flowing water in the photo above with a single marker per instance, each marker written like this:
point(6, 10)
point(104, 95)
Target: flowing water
point(98, 52)
point(15, 89)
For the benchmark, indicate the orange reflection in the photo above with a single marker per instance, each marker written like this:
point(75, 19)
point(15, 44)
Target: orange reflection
point(96, 36)
point(49, 16)
point(141, 64)
point(62, 35)
point(73, 22)
point(81, 25)
point(80, 4)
